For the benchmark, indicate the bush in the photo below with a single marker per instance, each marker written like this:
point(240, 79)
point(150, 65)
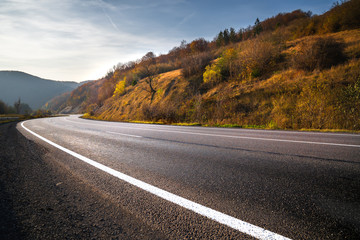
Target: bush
point(195, 64)
point(319, 53)
point(160, 112)
point(349, 105)
point(120, 88)
point(6, 109)
point(212, 73)
point(259, 58)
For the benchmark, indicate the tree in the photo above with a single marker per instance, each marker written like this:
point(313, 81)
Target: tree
point(240, 34)
point(226, 36)
point(257, 27)
point(148, 56)
point(25, 108)
point(17, 106)
point(120, 88)
point(232, 36)
point(3, 107)
point(149, 70)
point(199, 45)
point(220, 39)
point(227, 63)
point(183, 44)
point(212, 74)
point(195, 64)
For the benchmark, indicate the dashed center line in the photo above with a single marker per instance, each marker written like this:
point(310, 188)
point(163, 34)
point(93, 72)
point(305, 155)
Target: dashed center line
point(123, 134)
point(236, 137)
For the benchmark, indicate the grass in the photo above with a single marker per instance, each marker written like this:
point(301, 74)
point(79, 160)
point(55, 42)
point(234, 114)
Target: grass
point(13, 118)
point(329, 130)
point(146, 122)
point(187, 124)
point(87, 116)
point(280, 100)
point(11, 115)
point(22, 117)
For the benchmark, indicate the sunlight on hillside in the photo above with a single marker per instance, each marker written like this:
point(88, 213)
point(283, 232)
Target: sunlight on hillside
point(291, 71)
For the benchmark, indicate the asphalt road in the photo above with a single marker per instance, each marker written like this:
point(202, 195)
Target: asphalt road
point(300, 185)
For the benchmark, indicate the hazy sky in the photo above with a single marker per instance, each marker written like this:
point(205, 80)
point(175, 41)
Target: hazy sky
point(76, 40)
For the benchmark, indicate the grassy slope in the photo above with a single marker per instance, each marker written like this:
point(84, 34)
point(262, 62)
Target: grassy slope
point(130, 106)
point(278, 101)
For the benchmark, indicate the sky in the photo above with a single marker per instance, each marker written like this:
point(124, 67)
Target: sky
point(77, 40)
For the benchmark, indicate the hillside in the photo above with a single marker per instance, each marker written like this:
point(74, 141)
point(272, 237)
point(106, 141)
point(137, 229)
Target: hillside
point(290, 71)
point(77, 100)
point(30, 89)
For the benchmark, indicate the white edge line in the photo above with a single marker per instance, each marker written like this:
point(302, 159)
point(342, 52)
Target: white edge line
point(123, 134)
point(217, 216)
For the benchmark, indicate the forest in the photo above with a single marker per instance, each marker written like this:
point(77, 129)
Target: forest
point(291, 71)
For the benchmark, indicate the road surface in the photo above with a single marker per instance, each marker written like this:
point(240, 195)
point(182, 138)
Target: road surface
point(270, 184)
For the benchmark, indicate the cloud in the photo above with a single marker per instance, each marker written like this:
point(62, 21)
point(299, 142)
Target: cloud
point(101, 4)
point(186, 19)
point(76, 39)
point(68, 39)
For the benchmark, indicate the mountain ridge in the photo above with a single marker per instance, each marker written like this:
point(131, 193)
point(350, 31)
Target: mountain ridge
point(33, 90)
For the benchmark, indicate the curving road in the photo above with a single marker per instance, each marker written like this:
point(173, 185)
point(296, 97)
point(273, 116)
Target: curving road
point(219, 183)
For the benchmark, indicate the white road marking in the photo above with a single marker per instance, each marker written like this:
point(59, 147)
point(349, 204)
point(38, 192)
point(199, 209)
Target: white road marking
point(237, 137)
point(123, 134)
point(237, 224)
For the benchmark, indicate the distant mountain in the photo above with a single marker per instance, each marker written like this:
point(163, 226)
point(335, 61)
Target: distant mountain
point(30, 89)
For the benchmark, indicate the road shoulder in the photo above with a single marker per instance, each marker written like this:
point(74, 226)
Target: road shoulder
point(41, 200)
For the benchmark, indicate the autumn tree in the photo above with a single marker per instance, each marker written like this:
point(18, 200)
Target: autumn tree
point(120, 88)
point(195, 64)
point(105, 91)
point(148, 70)
point(199, 45)
point(212, 74)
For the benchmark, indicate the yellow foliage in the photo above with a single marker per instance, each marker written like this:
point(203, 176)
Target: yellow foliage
point(86, 115)
point(230, 54)
point(279, 96)
point(212, 74)
point(120, 88)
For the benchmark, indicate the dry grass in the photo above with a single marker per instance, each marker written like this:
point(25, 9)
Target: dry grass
point(350, 38)
point(130, 106)
point(285, 99)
